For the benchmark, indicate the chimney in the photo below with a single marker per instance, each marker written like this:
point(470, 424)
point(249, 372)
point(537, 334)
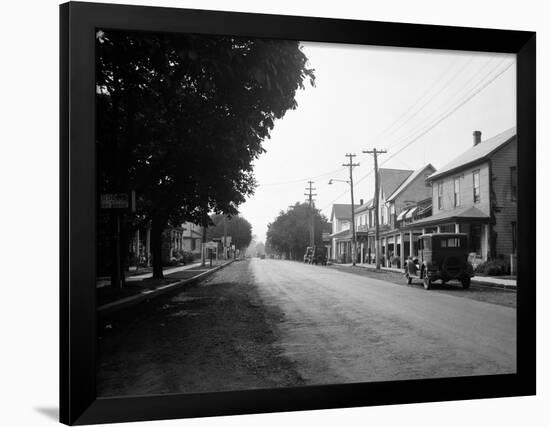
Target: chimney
point(477, 137)
point(361, 202)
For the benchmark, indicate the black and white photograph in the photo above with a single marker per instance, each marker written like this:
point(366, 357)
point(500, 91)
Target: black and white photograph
point(278, 213)
point(242, 213)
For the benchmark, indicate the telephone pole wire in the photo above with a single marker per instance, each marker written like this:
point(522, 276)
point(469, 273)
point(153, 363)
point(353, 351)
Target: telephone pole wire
point(375, 154)
point(310, 201)
point(351, 165)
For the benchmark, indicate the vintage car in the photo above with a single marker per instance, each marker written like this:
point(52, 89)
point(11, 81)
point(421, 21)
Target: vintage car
point(316, 255)
point(442, 256)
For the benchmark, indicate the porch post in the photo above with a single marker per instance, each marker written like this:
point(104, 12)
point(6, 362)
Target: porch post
point(411, 243)
point(457, 228)
point(439, 229)
point(148, 246)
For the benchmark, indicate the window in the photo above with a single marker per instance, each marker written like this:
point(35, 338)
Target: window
point(477, 195)
point(439, 195)
point(514, 182)
point(451, 243)
point(457, 191)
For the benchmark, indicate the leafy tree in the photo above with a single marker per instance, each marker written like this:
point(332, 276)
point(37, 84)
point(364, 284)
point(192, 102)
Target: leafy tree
point(182, 117)
point(289, 233)
point(237, 227)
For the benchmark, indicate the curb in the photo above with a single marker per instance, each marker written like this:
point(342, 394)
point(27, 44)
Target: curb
point(148, 295)
point(485, 284)
point(495, 285)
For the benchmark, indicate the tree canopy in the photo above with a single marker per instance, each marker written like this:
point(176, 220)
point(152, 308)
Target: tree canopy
point(289, 233)
point(180, 118)
point(237, 227)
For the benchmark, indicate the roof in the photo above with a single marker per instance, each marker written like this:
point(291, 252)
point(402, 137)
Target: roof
point(470, 213)
point(342, 211)
point(477, 153)
point(408, 181)
point(364, 206)
point(390, 179)
point(344, 234)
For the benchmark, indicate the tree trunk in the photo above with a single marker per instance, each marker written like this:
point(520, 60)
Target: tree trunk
point(203, 251)
point(157, 227)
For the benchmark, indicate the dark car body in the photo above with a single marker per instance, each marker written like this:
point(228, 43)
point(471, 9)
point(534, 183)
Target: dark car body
point(444, 256)
point(316, 255)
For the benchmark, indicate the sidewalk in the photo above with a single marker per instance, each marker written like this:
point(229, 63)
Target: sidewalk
point(482, 280)
point(132, 276)
point(143, 287)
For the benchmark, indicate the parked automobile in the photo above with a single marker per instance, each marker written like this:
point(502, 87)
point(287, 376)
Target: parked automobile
point(442, 256)
point(316, 255)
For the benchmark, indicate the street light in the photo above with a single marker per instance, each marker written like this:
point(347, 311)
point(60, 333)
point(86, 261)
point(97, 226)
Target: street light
point(339, 180)
point(353, 237)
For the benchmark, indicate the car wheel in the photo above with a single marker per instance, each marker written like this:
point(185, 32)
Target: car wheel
point(427, 282)
point(466, 282)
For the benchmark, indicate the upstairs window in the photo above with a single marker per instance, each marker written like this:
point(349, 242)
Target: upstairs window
point(477, 194)
point(457, 191)
point(440, 195)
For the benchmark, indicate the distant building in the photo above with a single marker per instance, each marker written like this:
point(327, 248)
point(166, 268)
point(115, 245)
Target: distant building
point(340, 218)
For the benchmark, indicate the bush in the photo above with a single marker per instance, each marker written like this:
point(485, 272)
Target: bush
point(396, 261)
point(497, 267)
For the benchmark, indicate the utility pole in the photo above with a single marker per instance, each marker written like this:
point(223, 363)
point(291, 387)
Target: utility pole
point(351, 165)
point(375, 153)
point(310, 200)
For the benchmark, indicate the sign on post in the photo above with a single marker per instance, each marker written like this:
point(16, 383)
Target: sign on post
point(114, 201)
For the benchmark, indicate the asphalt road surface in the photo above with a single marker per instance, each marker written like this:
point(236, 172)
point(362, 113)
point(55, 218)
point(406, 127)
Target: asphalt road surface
point(271, 323)
point(340, 327)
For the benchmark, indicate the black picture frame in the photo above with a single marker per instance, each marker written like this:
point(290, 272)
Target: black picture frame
point(78, 401)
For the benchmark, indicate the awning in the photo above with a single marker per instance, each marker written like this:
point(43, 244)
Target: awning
point(424, 209)
point(411, 212)
point(402, 214)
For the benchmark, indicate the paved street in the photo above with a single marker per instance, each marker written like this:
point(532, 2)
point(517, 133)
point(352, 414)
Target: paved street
point(268, 323)
point(341, 327)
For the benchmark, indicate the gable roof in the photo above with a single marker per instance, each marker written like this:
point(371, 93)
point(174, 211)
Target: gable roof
point(364, 206)
point(341, 211)
point(390, 179)
point(409, 180)
point(476, 153)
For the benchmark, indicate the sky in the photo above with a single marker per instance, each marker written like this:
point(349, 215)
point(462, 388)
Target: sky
point(420, 105)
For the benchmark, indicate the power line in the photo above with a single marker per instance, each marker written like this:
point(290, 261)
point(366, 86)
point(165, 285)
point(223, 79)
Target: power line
point(465, 98)
point(445, 86)
point(443, 74)
point(461, 89)
point(301, 180)
point(434, 124)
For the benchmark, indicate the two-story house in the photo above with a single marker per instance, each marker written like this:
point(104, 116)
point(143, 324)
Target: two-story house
point(476, 194)
point(192, 237)
point(340, 218)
